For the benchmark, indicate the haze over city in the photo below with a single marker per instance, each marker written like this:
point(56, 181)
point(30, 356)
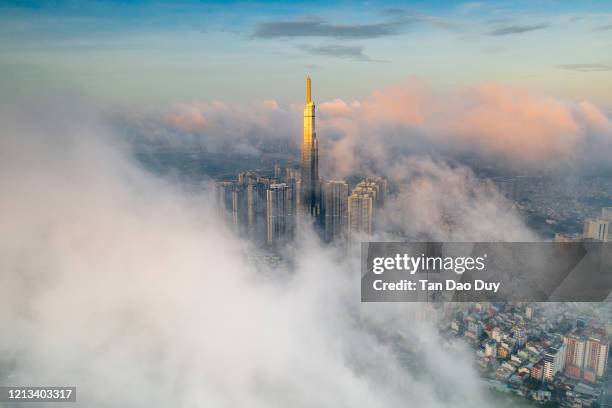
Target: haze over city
point(188, 185)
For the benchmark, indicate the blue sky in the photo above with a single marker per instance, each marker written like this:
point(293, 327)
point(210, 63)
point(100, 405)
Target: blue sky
point(157, 53)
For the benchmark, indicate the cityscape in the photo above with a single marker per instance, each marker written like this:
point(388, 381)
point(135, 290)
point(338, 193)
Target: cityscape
point(309, 204)
point(552, 354)
point(549, 353)
point(267, 209)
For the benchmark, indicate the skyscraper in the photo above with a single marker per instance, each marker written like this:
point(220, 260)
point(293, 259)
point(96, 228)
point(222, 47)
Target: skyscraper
point(360, 210)
point(335, 210)
point(257, 195)
point(553, 362)
point(595, 357)
point(310, 160)
point(574, 357)
point(599, 228)
point(279, 214)
point(231, 199)
point(365, 200)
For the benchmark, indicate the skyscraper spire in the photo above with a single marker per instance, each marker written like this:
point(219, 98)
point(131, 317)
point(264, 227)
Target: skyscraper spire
point(310, 159)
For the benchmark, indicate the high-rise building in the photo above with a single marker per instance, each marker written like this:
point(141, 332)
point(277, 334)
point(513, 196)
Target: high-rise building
point(292, 174)
point(553, 362)
point(310, 195)
point(520, 335)
point(360, 211)
point(599, 228)
point(268, 181)
point(223, 195)
point(256, 211)
point(368, 187)
point(537, 372)
point(278, 171)
point(596, 228)
point(247, 177)
point(377, 186)
point(366, 199)
point(279, 214)
point(574, 355)
point(335, 210)
point(595, 358)
point(365, 204)
point(292, 179)
point(231, 201)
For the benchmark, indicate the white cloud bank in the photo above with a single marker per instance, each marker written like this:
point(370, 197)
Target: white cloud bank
point(505, 126)
point(129, 288)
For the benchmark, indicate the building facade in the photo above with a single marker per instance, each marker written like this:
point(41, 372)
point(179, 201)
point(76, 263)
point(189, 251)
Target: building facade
point(335, 210)
point(360, 212)
point(574, 356)
point(279, 214)
point(310, 189)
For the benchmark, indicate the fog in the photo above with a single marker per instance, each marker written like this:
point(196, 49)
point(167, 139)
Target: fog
point(127, 286)
point(505, 127)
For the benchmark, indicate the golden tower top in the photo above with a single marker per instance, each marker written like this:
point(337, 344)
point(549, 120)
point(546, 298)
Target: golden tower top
point(308, 97)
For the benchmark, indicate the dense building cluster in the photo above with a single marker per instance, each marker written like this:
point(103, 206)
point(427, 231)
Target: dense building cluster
point(559, 356)
point(267, 209)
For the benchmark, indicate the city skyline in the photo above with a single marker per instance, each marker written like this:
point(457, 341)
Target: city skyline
point(296, 195)
point(198, 192)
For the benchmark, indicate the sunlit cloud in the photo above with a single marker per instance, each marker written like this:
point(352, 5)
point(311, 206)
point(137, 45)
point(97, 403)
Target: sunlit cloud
point(510, 126)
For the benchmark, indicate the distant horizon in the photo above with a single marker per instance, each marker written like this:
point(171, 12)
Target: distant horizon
point(154, 255)
point(156, 54)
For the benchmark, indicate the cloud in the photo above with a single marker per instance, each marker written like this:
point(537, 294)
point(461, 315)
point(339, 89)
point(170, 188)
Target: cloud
point(335, 108)
point(516, 29)
point(402, 15)
point(215, 127)
point(450, 203)
point(189, 120)
point(602, 28)
point(131, 288)
point(354, 52)
point(321, 28)
point(271, 104)
point(586, 67)
point(502, 126)
point(470, 6)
